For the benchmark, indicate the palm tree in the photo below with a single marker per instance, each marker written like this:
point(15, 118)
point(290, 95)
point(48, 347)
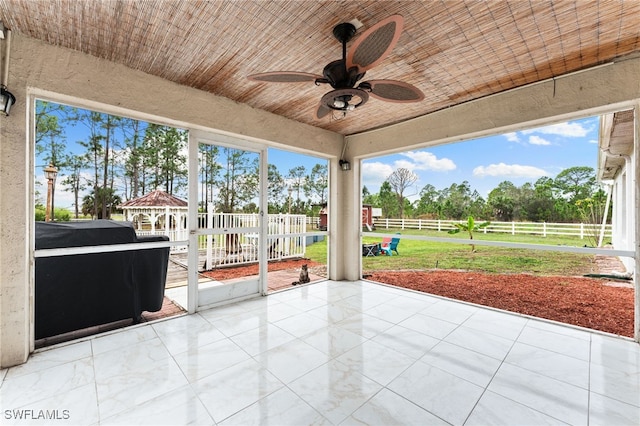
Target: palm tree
point(469, 227)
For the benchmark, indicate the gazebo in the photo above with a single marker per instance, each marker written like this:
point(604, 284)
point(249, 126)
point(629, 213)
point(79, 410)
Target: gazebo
point(158, 213)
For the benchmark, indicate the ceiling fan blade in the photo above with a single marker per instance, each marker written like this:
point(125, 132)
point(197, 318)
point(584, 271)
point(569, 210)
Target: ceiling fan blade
point(375, 44)
point(394, 91)
point(284, 77)
point(322, 111)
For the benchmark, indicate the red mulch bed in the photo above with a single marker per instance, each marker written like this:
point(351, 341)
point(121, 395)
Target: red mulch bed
point(586, 302)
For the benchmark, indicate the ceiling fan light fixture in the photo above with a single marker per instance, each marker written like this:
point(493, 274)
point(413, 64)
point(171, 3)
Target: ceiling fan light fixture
point(344, 99)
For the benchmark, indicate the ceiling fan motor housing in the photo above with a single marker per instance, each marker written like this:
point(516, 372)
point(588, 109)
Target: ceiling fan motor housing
point(339, 77)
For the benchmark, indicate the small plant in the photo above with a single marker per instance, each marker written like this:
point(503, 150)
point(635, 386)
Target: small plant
point(470, 227)
point(592, 212)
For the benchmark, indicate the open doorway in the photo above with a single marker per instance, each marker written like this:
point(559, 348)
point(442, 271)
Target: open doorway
point(108, 211)
point(230, 236)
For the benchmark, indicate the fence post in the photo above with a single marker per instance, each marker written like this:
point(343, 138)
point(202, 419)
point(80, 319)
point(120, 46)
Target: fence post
point(419, 224)
point(402, 225)
point(439, 227)
point(544, 229)
point(581, 230)
point(513, 228)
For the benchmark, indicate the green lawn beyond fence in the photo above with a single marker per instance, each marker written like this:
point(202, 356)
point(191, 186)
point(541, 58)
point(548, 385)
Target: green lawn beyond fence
point(426, 255)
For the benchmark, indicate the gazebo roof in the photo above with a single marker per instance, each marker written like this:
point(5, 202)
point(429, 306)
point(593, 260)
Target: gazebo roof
point(155, 198)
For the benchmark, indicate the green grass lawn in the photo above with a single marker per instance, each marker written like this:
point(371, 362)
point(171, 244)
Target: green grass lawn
point(422, 255)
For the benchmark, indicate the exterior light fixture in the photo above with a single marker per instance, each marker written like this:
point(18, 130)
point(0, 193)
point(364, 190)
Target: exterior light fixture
point(6, 100)
point(6, 97)
point(344, 164)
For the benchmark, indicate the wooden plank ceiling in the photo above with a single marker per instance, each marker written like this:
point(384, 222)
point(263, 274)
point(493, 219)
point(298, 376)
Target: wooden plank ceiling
point(454, 51)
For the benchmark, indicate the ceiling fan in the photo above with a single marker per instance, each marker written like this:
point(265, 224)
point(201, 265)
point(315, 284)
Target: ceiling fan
point(369, 50)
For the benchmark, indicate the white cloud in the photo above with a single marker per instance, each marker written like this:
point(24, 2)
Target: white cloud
point(595, 141)
point(373, 174)
point(423, 160)
point(537, 140)
point(512, 137)
point(574, 130)
point(509, 170)
point(405, 164)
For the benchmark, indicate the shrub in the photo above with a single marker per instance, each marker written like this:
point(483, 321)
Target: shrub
point(60, 215)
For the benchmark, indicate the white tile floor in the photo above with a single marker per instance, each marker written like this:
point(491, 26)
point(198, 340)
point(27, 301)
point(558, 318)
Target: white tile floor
point(333, 353)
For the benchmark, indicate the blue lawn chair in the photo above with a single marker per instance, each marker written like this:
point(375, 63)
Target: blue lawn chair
point(388, 246)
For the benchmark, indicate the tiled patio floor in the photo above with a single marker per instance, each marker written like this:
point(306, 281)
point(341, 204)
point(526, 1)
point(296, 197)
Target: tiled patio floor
point(334, 353)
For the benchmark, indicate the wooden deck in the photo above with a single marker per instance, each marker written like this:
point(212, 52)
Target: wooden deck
point(276, 280)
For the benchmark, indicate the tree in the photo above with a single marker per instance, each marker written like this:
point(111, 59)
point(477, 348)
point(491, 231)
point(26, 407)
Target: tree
point(104, 197)
point(133, 161)
point(93, 121)
point(576, 183)
point(109, 122)
point(238, 180)
point(459, 201)
point(164, 155)
point(400, 180)
point(52, 151)
point(48, 119)
point(387, 200)
point(540, 206)
point(74, 181)
point(316, 184)
point(502, 201)
point(209, 168)
point(275, 190)
point(592, 212)
point(174, 160)
point(296, 179)
point(428, 203)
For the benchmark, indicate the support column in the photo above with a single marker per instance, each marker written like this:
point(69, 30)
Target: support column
point(344, 222)
point(636, 219)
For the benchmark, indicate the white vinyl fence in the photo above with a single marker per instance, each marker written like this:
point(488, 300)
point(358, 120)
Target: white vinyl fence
point(581, 230)
point(285, 237)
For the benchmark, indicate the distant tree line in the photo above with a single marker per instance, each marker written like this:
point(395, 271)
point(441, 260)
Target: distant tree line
point(122, 158)
point(572, 196)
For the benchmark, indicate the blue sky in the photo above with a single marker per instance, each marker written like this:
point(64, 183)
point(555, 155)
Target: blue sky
point(519, 157)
